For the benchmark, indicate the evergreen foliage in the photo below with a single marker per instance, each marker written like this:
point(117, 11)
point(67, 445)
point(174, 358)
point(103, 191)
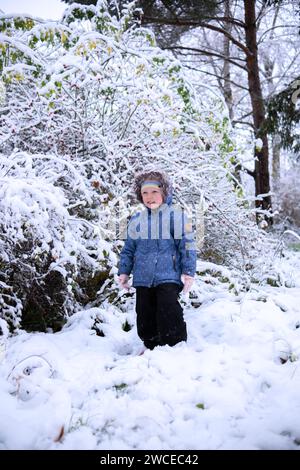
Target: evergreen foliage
point(283, 116)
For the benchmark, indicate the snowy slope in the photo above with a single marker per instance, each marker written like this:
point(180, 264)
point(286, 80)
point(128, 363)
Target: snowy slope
point(234, 385)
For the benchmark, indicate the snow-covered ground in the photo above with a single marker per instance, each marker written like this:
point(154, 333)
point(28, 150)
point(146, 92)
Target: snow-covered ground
point(234, 385)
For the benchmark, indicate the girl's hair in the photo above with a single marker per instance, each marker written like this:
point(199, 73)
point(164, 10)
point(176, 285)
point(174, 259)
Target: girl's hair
point(151, 175)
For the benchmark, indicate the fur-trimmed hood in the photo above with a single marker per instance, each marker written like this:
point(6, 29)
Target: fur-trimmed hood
point(153, 175)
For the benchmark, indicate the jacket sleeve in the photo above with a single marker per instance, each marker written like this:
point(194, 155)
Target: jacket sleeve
point(184, 238)
point(127, 255)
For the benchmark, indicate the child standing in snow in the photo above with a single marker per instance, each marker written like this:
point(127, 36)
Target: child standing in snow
point(160, 251)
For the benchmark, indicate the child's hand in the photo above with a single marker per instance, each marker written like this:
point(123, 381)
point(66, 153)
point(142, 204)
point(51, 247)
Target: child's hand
point(123, 281)
point(187, 283)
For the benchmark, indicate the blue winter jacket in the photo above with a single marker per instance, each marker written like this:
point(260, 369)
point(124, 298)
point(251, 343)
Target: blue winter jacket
point(159, 248)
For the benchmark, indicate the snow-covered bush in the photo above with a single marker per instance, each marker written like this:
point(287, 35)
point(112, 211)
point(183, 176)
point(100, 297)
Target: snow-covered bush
point(45, 253)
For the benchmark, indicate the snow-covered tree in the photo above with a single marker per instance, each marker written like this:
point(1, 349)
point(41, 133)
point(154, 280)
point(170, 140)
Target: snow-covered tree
point(87, 103)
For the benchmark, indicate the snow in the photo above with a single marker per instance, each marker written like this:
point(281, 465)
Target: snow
point(45, 9)
point(233, 385)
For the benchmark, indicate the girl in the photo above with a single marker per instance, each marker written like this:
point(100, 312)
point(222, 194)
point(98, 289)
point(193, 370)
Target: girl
point(160, 251)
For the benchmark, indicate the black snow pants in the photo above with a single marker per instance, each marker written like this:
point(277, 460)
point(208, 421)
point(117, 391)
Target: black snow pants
point(160, 315)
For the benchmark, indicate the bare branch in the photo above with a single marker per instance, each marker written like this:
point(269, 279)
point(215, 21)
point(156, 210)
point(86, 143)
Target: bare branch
point(208, 53)
point(244, 123)
point(227, 19)
point(240, 167)
point(260, 40)
point(217, 76)
point(246, 115)
point(200, 24)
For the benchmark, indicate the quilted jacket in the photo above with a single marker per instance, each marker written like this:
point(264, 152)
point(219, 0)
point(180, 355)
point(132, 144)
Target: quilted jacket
point(159, 248)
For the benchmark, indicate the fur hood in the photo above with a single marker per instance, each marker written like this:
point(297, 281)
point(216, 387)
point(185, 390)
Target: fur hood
point(152, 175)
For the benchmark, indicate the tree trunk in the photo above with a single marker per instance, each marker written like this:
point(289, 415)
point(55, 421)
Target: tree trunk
point(269, 64)
point(226, 66)
point(262, 177)
point(276, 145)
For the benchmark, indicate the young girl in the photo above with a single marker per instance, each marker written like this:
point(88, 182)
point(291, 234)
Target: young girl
point(160, 251)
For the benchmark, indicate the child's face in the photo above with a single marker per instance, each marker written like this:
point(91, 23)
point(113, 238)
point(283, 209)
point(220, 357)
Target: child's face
point(152, 197)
